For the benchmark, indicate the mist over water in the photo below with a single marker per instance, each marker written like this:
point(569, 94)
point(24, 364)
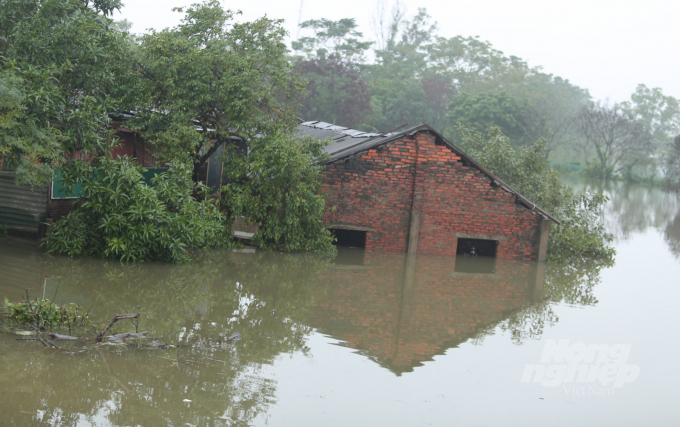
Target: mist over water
point(362, 339)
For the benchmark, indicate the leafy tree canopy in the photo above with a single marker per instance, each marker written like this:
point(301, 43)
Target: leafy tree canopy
point(416, 75)
point(227, 80)
point(336, 93)
point(339, 38)
point(617, 140)
point(59, 65)
point(659, 113)
point(278, 187)
point(478, 111)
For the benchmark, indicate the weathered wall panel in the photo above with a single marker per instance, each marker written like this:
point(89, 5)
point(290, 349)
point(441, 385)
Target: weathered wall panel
point(21, 207)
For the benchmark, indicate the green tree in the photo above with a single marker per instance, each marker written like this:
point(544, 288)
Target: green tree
point(478, 111)
point(339, 38)
point(336, 93)
point(659, 113)
point(670, 163)
point(278, 187)
point(470, 63)
point(331, 65)
point(552, 105)
point(398, 95)
point(59, 66)
point(212, 80)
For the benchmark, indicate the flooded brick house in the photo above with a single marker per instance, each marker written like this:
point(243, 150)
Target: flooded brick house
point(414, 191)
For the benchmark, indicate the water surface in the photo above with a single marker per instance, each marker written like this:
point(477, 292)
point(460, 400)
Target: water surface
point(362, 339)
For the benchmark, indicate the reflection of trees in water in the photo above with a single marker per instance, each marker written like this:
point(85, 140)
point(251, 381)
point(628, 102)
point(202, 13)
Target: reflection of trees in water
point(672, 235)
point(265, 297)
point(569, 284)
point(134, 388)
point(634, 208)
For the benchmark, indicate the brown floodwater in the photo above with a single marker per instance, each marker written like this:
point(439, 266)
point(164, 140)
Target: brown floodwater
point(363, 339)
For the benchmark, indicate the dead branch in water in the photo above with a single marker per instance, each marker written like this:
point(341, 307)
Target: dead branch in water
point(10, 346)
point(42, 338)
point(113, 320)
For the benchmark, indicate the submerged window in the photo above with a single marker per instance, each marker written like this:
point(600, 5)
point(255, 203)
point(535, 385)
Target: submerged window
point(476, 256)
point(477, 247)
point(349, 256)
point(475, 265)
point(349, 238)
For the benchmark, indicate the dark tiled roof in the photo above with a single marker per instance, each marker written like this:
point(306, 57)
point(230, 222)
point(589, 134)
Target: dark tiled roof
point(346, 142)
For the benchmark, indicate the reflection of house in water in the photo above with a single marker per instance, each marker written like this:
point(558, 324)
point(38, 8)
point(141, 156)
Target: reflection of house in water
point(401, 315)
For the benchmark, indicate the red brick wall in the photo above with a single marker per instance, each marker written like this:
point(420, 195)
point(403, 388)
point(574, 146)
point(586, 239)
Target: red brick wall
point(377, 188)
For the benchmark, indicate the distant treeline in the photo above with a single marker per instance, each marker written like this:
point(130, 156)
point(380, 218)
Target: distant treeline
point(413, 75)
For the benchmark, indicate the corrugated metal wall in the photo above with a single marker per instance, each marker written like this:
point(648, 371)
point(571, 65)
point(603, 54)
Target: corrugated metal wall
point(21, 207)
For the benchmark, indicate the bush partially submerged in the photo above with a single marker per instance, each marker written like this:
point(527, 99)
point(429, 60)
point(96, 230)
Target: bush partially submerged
point(120, 216)
point(581, 233)
point(43, 313)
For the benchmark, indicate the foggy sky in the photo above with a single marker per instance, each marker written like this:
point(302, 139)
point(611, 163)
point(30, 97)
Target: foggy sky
point(605, 46)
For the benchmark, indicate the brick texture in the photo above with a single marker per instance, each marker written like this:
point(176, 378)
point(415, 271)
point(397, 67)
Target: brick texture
point(379, 187)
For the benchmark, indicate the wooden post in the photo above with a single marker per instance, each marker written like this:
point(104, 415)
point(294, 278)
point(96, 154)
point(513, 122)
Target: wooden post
point(543, 232)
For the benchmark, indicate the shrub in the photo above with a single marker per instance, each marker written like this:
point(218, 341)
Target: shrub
point(120, 216)
point(44, 313)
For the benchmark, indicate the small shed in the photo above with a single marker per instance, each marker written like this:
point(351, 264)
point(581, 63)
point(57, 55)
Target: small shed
point(414, 191)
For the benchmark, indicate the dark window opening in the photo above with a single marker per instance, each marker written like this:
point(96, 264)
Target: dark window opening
point(349, 238)
point(477, 248)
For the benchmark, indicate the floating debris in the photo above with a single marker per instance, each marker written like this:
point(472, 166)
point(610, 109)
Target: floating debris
point(157, 344)
point(115, 344)
point(61, 337)
point(127, 335)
